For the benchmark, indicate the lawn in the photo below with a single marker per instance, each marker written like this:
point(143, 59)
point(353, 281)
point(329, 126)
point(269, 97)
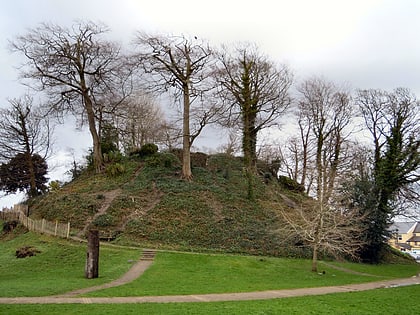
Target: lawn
point(59, 267)
point(381, 301)
point(184, 273)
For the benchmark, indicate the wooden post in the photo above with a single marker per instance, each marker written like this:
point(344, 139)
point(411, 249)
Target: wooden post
point(92, 257)
point(68, 230)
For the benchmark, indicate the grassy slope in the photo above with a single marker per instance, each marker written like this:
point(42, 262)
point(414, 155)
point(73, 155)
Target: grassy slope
point(156, 208)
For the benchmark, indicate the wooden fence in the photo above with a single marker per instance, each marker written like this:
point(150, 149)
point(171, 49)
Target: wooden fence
point(42, 226)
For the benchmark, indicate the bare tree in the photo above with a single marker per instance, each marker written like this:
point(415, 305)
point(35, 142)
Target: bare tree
point(24, 134)
point(324, 229)
point(232, 145)
point(139, 121)
point(325, 113)
point(255, 93)
point(180, 65)
point(319, 155)
point(79, 70)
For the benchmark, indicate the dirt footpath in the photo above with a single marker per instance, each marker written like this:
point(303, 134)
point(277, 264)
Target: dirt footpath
point(147, 259)
point(262, 295)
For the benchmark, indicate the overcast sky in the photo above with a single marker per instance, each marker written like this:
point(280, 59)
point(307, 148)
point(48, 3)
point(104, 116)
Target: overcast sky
point(361, 43)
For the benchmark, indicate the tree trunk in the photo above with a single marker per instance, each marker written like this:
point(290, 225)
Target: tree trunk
point(97, 151)
point(32, 177)
point(315, 258)
point(92, 258)
point(319, 169)
point(186, 144)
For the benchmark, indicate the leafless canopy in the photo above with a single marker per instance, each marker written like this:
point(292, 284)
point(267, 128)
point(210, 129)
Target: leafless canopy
point(324, 229)
point(324, 115)
point(79, 70)
point(182, 66)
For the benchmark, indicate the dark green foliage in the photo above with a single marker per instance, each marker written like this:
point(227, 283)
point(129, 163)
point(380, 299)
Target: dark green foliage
point(9, 226)
point(114, 169)
point(103, 220)
point(224, 164)
point(147, 149)
point(109, 139)
point(164, 159)
point(396, 162)
point(364, 196)
point(16, 175)
point(156, 208)
point(66, 206)
point(113, 157)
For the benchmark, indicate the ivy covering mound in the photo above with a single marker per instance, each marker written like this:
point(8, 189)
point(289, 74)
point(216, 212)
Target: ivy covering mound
point(148, 204)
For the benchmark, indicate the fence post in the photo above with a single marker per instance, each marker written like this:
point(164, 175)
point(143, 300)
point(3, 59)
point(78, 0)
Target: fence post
point(56, 226)
point(68, 229)
point(43, 226)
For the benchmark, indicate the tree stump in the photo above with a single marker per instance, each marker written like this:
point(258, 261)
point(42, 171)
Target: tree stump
point(92, 255)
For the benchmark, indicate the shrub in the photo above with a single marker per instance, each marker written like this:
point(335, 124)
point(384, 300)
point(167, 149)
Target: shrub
point(112, 157)
point(103, 220)
point(9, 226)
point(167, 160)
point(55, 185)
point(115, 169)
point(199, 159)
point(147, 149)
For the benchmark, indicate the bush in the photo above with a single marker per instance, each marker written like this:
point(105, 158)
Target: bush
point(167, 160)
point(9, 226)
point(115, 169)
point(199, 159)
point(146, 150)
point(55, 185)
point(112, 157)
point(103, 220)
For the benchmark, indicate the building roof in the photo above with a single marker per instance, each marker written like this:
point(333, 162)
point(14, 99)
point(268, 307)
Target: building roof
point(413, 239)
point(402, 227)
point(404, 245)
point(415, 228)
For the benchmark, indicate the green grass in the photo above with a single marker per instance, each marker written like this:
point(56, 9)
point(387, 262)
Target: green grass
point(155, 208)
point(399, 301)
point(59, 267)
point(183, 273)
point(384, 270)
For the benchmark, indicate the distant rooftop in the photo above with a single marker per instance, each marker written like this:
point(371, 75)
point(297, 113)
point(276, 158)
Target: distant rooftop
point(403, 227)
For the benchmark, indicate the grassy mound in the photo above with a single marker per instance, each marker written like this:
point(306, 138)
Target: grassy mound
point(152, 206)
